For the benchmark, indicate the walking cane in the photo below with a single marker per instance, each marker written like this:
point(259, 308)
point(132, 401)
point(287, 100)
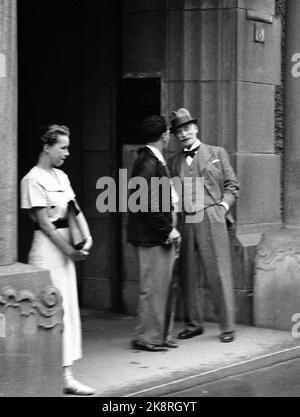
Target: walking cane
point(172, 292)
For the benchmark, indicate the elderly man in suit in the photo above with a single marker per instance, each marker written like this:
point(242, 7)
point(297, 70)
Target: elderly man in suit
point(153, 234)
point(205, 236)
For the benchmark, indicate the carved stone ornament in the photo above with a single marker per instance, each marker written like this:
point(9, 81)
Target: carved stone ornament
point(277, 279)
point(268, 255)
point(47, 306)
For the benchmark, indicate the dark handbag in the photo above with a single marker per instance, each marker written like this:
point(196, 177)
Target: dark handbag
point(77, 239)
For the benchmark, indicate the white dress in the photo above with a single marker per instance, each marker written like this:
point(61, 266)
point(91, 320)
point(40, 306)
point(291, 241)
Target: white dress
point(41, 189)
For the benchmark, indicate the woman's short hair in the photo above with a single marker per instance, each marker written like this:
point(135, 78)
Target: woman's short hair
point(47, 135)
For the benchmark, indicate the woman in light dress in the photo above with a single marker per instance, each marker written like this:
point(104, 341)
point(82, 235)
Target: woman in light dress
point(46, 193)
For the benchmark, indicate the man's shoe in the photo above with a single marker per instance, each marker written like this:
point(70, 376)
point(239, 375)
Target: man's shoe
point(170, 344)
point(147, 346)
point(227, 337)
point(77, 388)
point(187, 334)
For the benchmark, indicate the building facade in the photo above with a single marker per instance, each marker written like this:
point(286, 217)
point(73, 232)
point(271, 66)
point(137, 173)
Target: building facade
point(100, 67)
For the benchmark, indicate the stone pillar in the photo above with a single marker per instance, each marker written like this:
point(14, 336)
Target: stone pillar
point(30, 307)
point(8, 132)
point(277, 266)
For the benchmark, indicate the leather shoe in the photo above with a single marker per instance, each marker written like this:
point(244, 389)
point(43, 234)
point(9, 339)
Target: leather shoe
point(187, 334)
point(147, 346)
point(227, 337)
point(170, 344)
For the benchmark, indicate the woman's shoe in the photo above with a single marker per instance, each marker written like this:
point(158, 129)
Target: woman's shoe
point(77, 388)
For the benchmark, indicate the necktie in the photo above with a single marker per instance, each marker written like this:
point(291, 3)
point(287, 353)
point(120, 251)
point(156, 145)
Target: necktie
point(190, 153)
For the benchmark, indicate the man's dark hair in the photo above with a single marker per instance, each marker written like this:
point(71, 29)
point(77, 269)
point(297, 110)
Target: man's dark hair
point(152, 128)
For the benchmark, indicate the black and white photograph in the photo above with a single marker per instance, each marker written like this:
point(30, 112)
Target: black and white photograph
point(149, 201)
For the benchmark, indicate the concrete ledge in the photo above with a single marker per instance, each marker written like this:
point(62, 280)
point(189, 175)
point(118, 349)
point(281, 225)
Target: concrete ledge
point(22, 276)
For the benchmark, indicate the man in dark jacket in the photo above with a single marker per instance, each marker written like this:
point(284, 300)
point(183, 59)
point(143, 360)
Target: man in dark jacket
point(152, 231)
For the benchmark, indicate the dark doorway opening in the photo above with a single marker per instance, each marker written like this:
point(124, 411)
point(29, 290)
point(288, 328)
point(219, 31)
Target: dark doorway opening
point(68, 58)
point(139, 98)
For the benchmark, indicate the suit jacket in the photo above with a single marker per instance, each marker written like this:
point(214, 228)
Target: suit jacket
point(150, 228)
point(220, 181)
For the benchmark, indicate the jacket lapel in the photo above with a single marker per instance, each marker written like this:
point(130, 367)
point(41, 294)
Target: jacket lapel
point(203, 156)
point(179, 165)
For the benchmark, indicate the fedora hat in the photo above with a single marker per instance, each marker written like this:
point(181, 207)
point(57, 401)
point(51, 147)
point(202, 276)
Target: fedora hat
point(181, 117)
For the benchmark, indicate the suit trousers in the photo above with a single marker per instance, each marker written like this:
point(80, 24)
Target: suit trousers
point(207, 242)
point(156, 268)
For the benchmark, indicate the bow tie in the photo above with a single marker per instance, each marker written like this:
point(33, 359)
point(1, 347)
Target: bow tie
point(190, 153)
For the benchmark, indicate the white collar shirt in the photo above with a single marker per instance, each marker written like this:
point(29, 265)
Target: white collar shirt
point(160, 157)
point(189, 159)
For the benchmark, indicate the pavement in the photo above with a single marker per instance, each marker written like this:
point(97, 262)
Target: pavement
point(114, 369)
point(277, 381)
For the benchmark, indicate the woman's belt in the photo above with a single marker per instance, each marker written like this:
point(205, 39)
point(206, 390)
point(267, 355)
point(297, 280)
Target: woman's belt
point(59, 224)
